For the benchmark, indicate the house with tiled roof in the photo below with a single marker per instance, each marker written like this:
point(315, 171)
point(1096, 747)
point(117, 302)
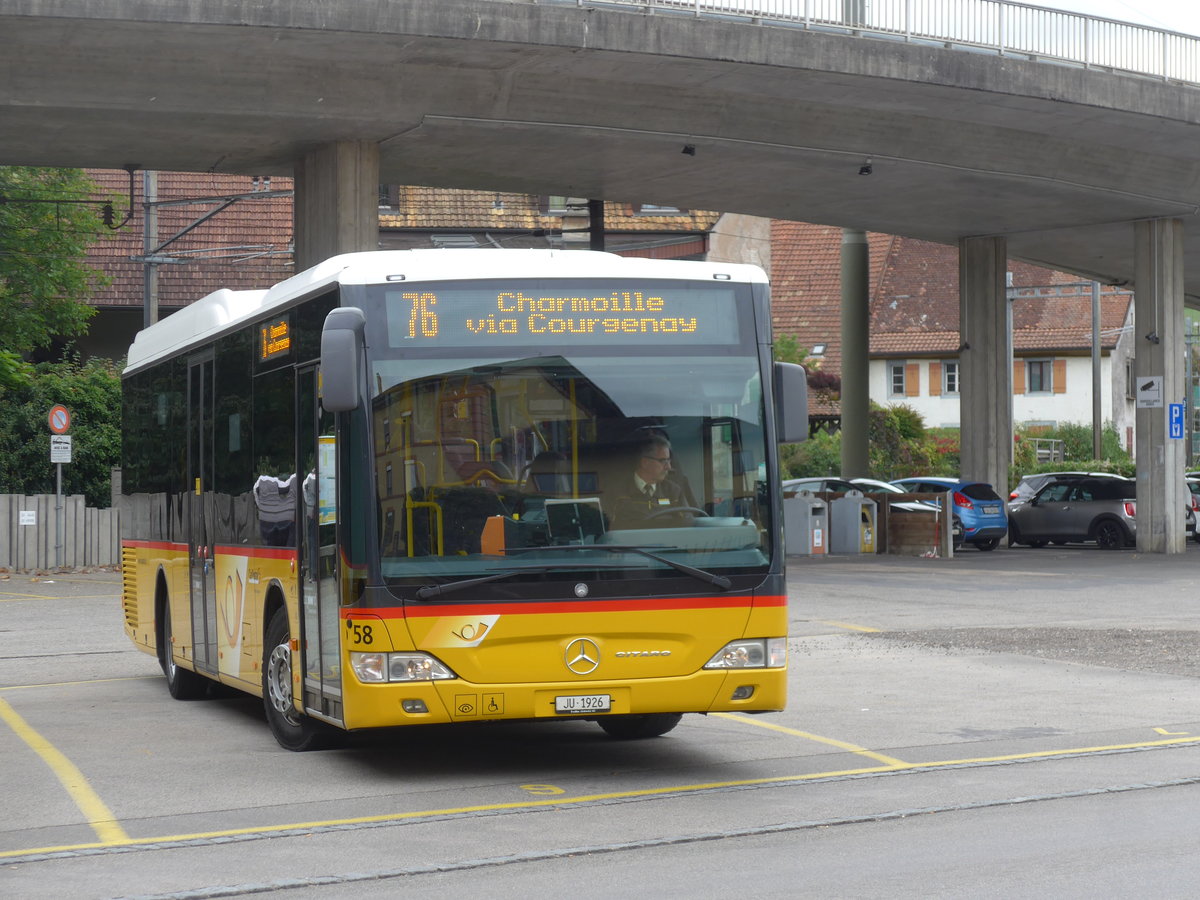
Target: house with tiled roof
point(226, 231)
point(412, 217)
point(217, 231)
point(213, 231)
point(914, 328)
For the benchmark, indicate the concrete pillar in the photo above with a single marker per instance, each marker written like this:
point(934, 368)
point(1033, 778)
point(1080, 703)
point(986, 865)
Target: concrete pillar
point(1159, 354)
point(855, 403)
point(337, 201)
point(596, 224)
point(984, 361)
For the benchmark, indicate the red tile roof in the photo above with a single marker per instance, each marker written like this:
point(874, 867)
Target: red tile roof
point(248, 245)
point(426, 208)
point(914, 298)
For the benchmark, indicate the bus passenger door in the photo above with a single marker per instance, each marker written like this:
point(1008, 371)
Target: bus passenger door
point(316, 447)
point(200, 512)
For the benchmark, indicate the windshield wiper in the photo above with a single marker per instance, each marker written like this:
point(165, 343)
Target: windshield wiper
point(709, 577)
point(430, 591)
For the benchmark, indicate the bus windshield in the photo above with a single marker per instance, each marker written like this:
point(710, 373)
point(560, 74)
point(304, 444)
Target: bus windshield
point(616, 455)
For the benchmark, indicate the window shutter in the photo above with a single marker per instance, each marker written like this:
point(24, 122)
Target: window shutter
point(912, 380)
point(1018, 376)
point(935, 379)
point(1060, 376)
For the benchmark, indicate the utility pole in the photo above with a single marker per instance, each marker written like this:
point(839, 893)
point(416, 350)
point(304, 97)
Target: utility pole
point(149, 242)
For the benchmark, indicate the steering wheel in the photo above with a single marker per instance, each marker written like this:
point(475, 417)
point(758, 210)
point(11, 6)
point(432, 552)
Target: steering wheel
point(667, 510)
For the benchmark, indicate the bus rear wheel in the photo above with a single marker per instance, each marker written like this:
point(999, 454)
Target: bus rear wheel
point(628, 728)
point(182, 684)
point(292, 729)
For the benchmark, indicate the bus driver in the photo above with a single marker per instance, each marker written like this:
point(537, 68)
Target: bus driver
point(647, 498)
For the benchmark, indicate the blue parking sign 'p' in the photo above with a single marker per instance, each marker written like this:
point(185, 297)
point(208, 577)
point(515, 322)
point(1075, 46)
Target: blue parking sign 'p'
point(1175, 420)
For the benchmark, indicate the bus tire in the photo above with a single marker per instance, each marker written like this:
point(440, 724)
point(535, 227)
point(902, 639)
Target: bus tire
point(182, 684)
point(635, 727)
point(292, 729)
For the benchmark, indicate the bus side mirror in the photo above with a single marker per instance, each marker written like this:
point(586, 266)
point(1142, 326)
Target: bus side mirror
point(341, 358)
point(791, 403)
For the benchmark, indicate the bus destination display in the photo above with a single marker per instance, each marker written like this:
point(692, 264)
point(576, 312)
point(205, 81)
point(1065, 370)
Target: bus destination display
point(561, 314)
point(274, 339)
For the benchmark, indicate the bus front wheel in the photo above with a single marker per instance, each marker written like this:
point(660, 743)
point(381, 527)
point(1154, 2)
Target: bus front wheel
point(293, 730)
point(627, 728)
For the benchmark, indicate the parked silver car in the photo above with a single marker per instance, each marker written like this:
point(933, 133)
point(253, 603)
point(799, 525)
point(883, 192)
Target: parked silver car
point(817, 484)
point(875, 486)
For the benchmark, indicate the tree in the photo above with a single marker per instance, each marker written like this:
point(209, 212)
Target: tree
point(92, 393)
point(787, 349)
point(44, 279)
point(14, 371)
point(47, 220)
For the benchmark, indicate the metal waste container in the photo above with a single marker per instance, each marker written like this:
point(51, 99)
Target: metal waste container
point(805, 525)
point(852, 524)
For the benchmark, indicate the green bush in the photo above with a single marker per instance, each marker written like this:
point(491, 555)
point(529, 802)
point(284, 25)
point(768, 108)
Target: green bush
point(1077, 451)
point(821, 454)
point(898, 445)
point(92, 393)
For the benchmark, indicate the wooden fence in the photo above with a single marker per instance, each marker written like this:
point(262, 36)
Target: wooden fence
point(29, 533)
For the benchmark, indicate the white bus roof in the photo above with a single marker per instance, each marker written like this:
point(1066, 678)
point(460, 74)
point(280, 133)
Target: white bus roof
point(221, 309)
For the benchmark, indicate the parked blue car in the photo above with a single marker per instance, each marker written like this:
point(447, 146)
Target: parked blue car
point(977, 507)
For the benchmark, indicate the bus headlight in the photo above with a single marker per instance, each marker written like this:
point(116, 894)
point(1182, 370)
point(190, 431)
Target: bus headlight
point(375, 668)
point(760, 653)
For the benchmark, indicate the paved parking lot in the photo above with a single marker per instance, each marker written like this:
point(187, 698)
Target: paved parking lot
point(985, 692)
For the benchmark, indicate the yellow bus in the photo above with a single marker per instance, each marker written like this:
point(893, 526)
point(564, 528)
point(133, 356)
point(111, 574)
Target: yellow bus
point(403, 488)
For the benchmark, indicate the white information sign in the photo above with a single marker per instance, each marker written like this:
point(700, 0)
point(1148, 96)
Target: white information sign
point(60, 448)
point(29, 517)
point(1150, 392)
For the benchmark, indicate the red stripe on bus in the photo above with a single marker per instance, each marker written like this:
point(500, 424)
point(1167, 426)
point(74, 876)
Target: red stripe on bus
point(569, 606)
point(229, 549)
point(258, 552)
point(155, 545)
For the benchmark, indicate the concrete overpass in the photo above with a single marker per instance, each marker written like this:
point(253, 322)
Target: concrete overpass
point(1093, 172)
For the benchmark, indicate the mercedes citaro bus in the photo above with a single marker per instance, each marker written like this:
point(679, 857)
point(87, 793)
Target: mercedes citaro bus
point(394, 489)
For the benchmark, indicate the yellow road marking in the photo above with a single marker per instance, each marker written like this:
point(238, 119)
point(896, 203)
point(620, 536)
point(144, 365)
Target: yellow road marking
point(4, 689)
point(6, 596)
point(849, 627)
point(99, 816)
point(303, 827)
point(1136, 745)
point(842, 745)
point(1164, 731)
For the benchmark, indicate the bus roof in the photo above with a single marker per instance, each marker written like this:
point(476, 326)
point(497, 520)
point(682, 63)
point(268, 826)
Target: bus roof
point(222, 309)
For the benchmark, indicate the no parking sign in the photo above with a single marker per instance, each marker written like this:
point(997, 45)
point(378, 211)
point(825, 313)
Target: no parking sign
point(60, 419)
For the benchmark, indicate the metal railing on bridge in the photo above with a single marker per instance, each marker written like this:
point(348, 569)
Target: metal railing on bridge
point(1008, 29)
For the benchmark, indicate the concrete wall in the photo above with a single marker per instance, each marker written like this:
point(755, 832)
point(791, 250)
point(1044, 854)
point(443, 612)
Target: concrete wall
point(611, 102)
point(741, 239)
point(90, 536)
